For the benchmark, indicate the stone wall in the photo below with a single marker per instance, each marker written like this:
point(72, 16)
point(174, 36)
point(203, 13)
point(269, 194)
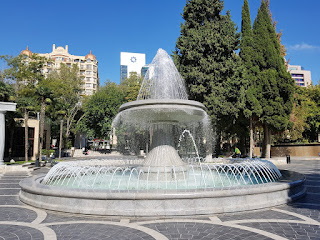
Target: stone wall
point(297, 150)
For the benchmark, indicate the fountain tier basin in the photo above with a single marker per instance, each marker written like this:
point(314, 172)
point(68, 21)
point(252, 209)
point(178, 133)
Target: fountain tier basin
point(163, 110)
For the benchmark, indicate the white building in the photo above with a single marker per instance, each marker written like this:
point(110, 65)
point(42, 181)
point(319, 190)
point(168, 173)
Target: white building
point(132, 62)
point(88, 66)
point(302, 77)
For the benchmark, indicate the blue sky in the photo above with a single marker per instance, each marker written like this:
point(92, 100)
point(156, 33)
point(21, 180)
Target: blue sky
point(142, 26)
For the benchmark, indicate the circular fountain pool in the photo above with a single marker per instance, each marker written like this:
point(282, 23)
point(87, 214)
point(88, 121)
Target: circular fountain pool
point(93, 187)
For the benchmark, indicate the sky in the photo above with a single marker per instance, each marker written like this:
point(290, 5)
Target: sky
point(108, 27)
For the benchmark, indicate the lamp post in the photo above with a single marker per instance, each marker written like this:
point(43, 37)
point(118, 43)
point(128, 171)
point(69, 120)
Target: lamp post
point(4, 107)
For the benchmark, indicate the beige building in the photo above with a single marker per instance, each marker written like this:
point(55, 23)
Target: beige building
point(302, 77)
point(33, 138)
point(88, 66)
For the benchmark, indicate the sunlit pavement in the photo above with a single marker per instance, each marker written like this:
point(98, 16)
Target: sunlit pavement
point(298, 220)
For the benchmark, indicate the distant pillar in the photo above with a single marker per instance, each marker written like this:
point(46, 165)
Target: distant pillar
point(318, 136)
point(4, 107)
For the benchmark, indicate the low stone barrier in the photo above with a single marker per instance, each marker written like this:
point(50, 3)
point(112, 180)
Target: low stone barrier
point(162, 203)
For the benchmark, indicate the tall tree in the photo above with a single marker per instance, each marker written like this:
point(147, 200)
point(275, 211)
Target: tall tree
point(274, 84)
point(283, 51)
point(26, 72)
point(252, 108)
point(65, 84)
point(205, 56)
point(101, 108)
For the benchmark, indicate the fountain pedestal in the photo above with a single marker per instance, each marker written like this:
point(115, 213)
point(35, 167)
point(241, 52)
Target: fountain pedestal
point(163, 152)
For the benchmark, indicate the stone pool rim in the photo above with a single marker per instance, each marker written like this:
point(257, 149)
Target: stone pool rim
point(162, 202)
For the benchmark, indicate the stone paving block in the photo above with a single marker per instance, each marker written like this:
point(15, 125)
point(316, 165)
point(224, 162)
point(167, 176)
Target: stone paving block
point(10, 200)
point(9, 185)
point(201, 231)
point(64, 217)
point(297, 230)
point(13, 232)
point(259, 214)
point(16, 214)
point(85, 231)
point(9, 191)
point(10, 180)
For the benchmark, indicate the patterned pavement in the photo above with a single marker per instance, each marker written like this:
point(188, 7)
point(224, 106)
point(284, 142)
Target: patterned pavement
point(298, 220)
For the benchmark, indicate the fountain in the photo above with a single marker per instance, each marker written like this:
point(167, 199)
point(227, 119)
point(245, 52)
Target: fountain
point(164, 183)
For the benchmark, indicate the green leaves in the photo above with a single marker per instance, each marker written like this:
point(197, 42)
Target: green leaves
point(6, 92)
point(274, 86)
point(205, 57)
point(101, 108)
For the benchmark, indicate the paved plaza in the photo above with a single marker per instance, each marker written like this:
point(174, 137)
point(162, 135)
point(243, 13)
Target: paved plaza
point(298, 220)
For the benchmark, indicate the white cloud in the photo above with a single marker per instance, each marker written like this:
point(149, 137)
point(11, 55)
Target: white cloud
point(303, 46)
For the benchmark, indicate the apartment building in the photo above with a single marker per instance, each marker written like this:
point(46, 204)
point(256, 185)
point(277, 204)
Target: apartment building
point(88, 66)
point(301, 76)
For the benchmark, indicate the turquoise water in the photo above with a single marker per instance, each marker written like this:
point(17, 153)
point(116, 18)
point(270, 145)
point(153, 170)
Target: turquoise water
point(134, 180)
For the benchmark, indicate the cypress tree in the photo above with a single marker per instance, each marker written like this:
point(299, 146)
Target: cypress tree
point(205, 56)
point(274, 84)
point(253, 108)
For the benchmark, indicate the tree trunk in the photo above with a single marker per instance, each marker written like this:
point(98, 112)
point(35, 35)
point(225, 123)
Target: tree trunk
point(251, 138)
point(266, 148)
point(26, 135)
point(42, 116)
point(268, 145)
point(60, 141)
point(67, 132)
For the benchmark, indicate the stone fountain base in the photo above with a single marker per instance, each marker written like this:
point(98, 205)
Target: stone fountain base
point(162, 203)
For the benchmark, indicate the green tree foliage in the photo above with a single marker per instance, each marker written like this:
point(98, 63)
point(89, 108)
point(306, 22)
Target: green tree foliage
point(274, 85)
point(6, 92)
point(205, 56)
point(312, 110)
point(26, 73)
point(253, 107)
point(65, 85)
point(131, 86)
point(302, 108)
point(101, 109)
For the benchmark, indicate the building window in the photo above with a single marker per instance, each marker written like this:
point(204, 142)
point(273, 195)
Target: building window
point(123, 72)
point(144, 71)
point(88, 91)
point(88, 72)
point(297, 75)
point(89, 67)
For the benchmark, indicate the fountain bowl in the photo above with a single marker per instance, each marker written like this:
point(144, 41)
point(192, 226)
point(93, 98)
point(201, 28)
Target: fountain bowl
point(162, 202)
point(164, 110)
